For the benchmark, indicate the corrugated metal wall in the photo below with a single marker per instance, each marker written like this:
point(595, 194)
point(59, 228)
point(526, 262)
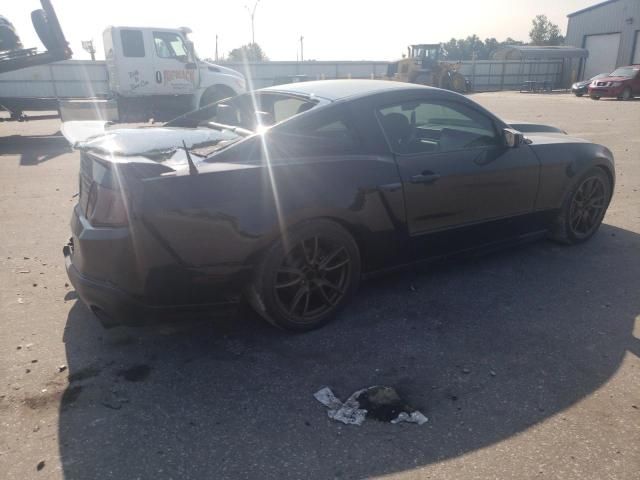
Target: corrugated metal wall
point(484, 75)
point(264, 74)
point(620, 16)
point(73, 78)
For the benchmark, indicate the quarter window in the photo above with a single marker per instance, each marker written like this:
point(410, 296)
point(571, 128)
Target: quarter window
point(433, 127)
point(326, 133)
point(132, 43)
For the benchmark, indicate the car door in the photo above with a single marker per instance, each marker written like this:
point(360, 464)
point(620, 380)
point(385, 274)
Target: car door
point(175, 71)
point(129, 60)
point(457, 173)
point(636, 81)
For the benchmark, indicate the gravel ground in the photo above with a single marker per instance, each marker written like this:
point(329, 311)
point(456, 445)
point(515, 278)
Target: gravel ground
point(525, 361)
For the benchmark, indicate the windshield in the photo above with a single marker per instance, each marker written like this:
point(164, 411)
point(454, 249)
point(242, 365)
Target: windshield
point(425, 52)
point(600, 75)
point(241, 111)
point(627, 72)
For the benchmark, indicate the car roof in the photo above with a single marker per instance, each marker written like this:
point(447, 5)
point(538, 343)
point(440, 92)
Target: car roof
point(340, 89)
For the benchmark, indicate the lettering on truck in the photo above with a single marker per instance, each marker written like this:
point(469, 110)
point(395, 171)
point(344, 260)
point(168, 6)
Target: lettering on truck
point(177, 78)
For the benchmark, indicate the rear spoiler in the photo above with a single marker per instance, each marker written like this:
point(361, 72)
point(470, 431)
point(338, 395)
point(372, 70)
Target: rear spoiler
point(77, 132)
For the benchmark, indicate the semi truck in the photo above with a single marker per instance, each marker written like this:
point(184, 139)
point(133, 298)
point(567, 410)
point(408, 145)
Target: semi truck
point(147, 73)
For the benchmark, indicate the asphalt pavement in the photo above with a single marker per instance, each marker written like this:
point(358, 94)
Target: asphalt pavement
point(525, 361)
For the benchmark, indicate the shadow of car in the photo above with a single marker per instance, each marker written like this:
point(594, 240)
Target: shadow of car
point(485, 347)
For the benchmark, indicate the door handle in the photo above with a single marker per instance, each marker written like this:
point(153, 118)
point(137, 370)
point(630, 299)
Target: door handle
point(425, 177)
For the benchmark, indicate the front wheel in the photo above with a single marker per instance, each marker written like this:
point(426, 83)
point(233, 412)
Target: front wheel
point(215, 94)
point(579, 94)
point(595, 97)
point(626, 94)
point(584, 208)
point(306, 276)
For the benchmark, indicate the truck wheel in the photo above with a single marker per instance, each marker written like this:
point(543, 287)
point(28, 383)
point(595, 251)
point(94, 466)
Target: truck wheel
point(458, 83)
point(42, 28)
point(215, 94)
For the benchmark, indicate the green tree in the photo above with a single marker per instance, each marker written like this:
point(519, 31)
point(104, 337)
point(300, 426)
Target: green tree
point(465, 48)
point(545, 32)
point(251, 52)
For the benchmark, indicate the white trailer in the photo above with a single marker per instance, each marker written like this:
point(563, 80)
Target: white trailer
point(148, 73)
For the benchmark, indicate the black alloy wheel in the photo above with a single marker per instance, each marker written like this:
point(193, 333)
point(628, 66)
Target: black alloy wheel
point(306, 276)
point(588, 206)
point(313, 278)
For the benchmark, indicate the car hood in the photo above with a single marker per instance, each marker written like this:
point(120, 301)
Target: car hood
point(155, 143)
point(529, 127)
point(612, 79)
point(552, 138)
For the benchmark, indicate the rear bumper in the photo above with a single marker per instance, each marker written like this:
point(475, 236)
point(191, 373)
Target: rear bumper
point(120, 288)
point(111, 305)
point(114, 306)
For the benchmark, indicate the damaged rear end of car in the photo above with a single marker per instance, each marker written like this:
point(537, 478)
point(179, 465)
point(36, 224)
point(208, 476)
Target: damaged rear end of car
point(123, 269)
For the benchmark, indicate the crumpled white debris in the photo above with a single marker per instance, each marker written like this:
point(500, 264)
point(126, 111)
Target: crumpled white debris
point(350, 412)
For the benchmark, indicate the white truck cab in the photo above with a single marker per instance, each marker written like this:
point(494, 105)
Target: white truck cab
point(148, 73)
point(160, 66)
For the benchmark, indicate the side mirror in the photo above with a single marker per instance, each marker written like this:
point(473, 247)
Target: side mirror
point(191, 49)
point(512, 138)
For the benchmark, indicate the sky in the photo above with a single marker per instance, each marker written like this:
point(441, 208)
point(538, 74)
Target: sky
point(332, 29)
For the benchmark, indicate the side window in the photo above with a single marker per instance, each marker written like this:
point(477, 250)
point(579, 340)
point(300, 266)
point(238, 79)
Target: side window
point(132, 43)
point(426, 126)
point(170, 45)
point(327, 133)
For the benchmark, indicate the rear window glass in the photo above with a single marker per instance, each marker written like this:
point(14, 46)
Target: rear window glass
point(132, 43)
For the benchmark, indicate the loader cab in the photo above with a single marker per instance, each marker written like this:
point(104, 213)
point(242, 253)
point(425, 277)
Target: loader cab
point(425, 56)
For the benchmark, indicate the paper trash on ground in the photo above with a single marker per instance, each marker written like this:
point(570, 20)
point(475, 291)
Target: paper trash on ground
point(383, 403)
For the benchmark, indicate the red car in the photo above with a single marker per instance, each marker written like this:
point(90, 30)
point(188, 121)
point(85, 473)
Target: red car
point(623, 84)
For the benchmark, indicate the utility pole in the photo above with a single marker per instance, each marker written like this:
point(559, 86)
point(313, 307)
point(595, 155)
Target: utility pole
point(216, 48)
point(301, 48)
point(87, 45)
point(252, 14)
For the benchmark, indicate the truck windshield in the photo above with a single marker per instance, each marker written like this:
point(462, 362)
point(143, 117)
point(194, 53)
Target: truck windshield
point(170, 45)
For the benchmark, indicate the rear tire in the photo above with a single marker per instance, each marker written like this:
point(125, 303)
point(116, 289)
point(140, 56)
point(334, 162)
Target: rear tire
point(305, 278)
point(583, 209)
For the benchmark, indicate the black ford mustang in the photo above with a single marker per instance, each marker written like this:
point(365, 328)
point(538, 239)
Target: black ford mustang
point(289, 196)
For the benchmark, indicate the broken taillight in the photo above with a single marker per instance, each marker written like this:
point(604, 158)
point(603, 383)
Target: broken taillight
point(106, 207)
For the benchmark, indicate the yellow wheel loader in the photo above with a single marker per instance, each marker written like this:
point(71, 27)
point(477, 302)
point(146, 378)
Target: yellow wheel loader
point(423, 66)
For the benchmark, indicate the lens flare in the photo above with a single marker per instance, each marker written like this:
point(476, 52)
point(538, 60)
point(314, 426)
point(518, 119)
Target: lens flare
point(262, 131)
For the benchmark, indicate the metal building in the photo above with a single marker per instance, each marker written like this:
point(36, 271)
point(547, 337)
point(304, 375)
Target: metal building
point(610, 31)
